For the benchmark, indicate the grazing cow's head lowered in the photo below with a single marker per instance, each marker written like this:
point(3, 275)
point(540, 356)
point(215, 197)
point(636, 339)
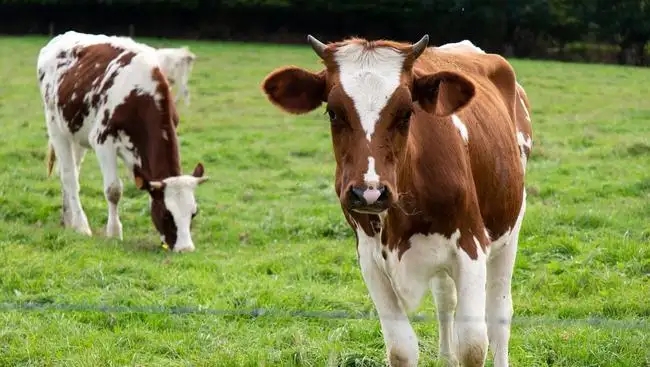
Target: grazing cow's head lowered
point(370, 88)
point(173, 206)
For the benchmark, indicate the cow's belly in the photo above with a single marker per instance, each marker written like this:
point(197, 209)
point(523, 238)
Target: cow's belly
point(83, 135)
point(410, 276)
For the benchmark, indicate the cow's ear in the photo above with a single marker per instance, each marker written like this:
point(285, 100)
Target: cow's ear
point(295, 90)
point(142, 181)
point(442, 93)
point(199, 173)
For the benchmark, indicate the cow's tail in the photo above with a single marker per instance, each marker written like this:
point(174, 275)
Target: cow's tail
point(51, 158)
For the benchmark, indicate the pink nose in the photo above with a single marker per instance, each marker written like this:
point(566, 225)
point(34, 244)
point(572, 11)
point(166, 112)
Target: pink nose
point(371, 195)
point(364, 196)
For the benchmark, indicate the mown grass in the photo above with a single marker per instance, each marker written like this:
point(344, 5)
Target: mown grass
point(270, 233)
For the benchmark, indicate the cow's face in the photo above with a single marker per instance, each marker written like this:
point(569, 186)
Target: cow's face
point(173, 207)
point(370, 89)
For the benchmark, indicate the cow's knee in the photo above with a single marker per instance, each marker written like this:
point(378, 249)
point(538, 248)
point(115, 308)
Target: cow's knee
point(114, 192)
point(113, 195)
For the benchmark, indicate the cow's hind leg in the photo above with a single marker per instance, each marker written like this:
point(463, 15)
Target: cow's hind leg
point(78, 152)
point(444, 295)
point(499, 298)
point(399, 337)
point(107, 156)
point(469, 323)
point(73, 213)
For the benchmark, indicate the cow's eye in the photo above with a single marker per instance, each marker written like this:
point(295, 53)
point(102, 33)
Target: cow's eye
point(337, 120)
point(403, 120)
point(332, 115)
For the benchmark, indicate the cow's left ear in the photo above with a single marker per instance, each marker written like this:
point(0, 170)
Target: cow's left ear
point(198, 173)
point(442, 93)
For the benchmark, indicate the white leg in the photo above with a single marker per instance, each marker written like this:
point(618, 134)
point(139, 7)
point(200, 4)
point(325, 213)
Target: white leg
point(469, 323)
point(73, 214)
point(177, 96)
point(186, 93)
point(52, 130)
point(66, 213)
point(444, 295)
point(78, 152)
point(399, 337)
point(499, 297)
point(107, 156)
point(185, 78)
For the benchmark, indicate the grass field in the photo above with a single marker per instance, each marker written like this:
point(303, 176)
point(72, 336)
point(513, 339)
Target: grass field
point(271, 235)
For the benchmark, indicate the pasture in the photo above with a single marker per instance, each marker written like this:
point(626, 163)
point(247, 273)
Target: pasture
point(270, 234)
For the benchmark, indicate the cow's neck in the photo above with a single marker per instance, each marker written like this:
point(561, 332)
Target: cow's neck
point(163, 158)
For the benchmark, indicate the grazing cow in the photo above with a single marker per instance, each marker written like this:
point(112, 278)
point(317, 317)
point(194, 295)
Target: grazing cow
point(176, 64)
point(430, 148)
point(108, 94)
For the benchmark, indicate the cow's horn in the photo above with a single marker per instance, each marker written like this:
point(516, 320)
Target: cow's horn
point(418, 48)
point(318, 46)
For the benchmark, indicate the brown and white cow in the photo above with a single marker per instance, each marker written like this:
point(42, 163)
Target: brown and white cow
point(108, 94)
point(430, 147)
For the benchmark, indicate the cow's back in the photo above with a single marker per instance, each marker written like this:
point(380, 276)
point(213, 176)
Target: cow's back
point(85, 78)
point(490, 119)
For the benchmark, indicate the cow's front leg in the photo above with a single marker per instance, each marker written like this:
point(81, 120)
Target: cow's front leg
point(399, 337)
point(470, 325)
point(107, 156)
point(444, 295)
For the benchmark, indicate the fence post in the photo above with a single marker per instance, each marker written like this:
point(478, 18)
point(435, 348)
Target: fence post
point(51, 29)
point(131, 30)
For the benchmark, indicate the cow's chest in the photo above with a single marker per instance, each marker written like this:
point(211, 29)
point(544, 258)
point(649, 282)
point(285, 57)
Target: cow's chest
point(409, 275)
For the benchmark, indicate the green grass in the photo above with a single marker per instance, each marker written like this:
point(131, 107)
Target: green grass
point(271, 234)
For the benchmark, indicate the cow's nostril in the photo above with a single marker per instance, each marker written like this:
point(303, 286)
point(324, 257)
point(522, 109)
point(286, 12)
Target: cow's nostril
point(383, 193)
point(356, 195)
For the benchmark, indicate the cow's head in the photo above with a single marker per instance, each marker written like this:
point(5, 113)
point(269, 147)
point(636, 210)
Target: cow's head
point(173, 206)
point(370, 89)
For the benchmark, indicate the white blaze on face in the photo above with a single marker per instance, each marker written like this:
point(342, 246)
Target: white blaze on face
point(179, 200)
point(369, 78)
point(371, 179)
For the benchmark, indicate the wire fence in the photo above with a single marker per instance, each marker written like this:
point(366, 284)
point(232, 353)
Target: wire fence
point(597, 322)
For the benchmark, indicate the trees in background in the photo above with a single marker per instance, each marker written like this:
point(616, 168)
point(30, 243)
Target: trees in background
point(524, 28)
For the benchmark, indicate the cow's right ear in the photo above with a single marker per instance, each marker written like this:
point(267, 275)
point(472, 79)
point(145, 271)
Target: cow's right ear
point(442, 93)
point(295, 90)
